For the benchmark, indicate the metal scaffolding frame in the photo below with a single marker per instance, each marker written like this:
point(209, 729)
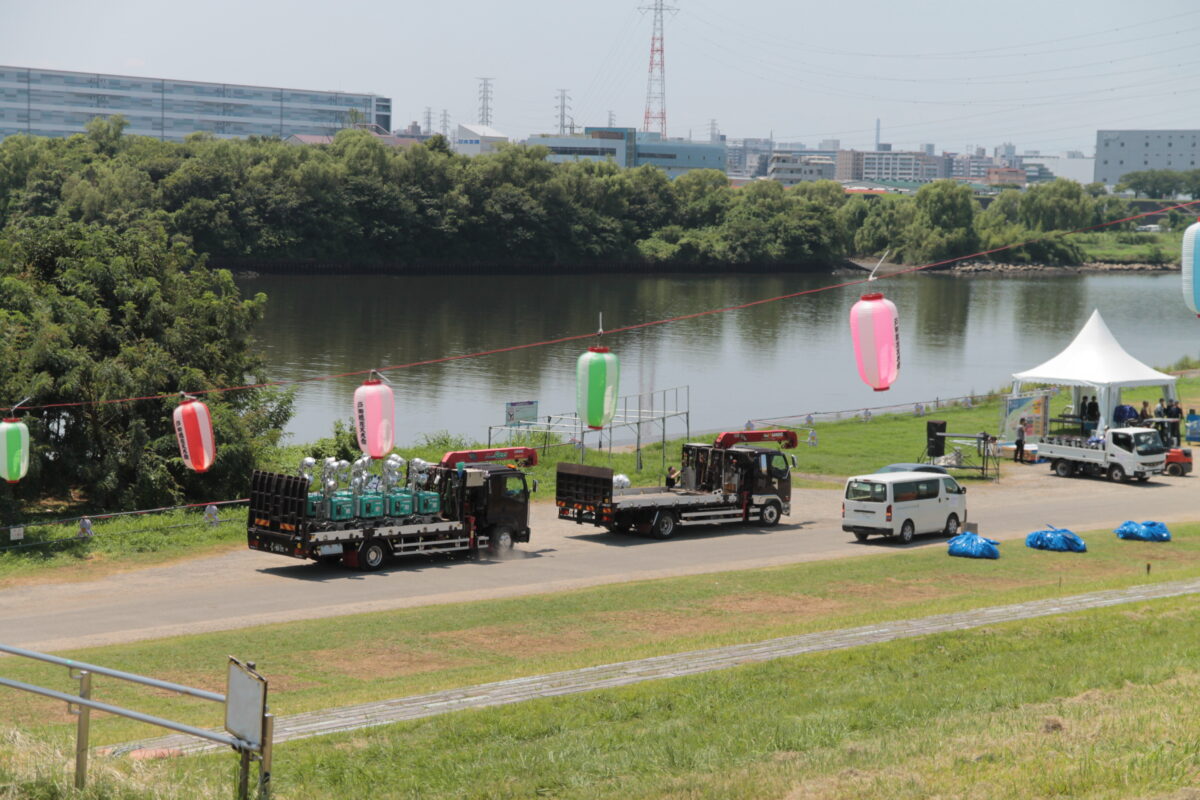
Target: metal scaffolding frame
point(646, 414)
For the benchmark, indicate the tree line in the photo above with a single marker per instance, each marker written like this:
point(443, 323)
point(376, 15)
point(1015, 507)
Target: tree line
point(357, 203)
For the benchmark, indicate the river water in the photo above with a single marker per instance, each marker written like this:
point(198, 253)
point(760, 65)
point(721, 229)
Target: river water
point(958, 335)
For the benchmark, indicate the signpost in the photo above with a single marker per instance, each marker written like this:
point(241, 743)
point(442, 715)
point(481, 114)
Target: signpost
point(522, 411)
point(246, 718)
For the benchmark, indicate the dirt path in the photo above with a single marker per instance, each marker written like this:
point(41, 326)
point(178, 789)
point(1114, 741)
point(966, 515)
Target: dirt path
point(243, 588)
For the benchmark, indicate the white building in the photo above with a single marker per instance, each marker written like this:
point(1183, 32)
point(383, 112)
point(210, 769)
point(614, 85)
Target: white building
point(474, 140)
point(791, 169)
point(1121, 152)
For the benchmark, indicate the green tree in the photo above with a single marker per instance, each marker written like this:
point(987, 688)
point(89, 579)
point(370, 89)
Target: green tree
point(92, 315)
point(1152, 183)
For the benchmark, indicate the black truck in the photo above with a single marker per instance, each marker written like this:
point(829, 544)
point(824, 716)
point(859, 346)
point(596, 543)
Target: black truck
point(727, 481)
point(461, 504)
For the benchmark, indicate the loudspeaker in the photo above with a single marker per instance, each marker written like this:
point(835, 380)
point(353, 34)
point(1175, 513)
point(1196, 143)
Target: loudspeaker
point(935, 446)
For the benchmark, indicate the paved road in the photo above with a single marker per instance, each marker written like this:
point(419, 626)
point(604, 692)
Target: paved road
point(243, 588)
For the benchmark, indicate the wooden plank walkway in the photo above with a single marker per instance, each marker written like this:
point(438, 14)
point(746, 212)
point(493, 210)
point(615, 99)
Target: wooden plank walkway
point(606, 676)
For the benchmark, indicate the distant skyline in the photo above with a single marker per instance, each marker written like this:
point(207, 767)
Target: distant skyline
point(1044, 76)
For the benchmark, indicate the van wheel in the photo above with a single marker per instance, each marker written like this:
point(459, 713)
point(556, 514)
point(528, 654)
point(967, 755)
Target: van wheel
point(906, 532)
point(1063, 469)
point(952, 525)
point(1116, 473)
point(371, 556)
point(664, 527)
point(1175, 470)
point(769, 516)
point(861, 535)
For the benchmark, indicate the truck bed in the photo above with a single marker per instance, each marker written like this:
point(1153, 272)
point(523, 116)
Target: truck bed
point(1095, 455)
point(660, 496)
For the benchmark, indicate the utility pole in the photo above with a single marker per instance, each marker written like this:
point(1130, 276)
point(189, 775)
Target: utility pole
point(428, 129)
point(562, 111)
point(485, 101)
point(445, 124)
point(656, 83)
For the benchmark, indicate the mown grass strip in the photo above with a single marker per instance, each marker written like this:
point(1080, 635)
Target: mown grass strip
point(347, 660)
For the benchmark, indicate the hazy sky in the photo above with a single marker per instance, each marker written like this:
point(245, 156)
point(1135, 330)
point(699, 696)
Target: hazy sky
point(1043, 75)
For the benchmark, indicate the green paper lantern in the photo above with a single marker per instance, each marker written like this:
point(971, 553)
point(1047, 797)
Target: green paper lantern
point(14, 449)
point(597, 375)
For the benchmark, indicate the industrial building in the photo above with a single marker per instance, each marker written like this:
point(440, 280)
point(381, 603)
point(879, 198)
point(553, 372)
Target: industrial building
point(475, 140)
point(791, 168)
point(1122, 152)
point(627, 147)
point(57, 103)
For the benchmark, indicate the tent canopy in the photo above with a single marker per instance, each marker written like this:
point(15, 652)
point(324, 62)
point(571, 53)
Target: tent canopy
point(1096, 358)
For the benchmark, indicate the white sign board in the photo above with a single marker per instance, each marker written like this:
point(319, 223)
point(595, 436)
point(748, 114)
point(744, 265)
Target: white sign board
point(521, 411)
point(245, 702)
point(16, 534)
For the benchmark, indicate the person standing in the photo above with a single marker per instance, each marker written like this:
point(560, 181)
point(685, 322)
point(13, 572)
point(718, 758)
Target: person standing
point(1019, 454)
point(672, 476)
point(1145, 413)
point(1175, 414)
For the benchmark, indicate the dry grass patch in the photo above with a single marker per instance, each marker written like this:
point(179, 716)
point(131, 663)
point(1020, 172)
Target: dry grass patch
point(514, 640)
point(373, 662)
point(761, 604)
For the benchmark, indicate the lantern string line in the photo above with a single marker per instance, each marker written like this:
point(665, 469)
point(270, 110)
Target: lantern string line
point(624, 329)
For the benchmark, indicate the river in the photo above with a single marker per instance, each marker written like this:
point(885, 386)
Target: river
point(958, 335)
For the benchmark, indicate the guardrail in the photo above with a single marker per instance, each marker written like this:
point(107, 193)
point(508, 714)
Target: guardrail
point(249, 725)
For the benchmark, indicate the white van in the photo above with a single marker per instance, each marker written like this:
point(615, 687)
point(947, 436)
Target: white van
point(903, 504)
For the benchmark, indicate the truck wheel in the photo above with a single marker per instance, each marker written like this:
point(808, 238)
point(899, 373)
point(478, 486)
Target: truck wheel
point(371, 556)
point(500, 540)
point(769, 515)
point(952, 525)
point(861, 535)
point(1063, 468)
point(906, 532)
point(1116, 473)
point(664, 527)
point(1175, 470)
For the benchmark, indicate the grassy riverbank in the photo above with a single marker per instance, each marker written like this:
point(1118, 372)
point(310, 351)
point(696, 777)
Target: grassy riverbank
point(342, 660)
point(1128, 247)
point(1072, 704)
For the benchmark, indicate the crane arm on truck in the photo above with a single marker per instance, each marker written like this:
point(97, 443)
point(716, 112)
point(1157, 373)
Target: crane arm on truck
point(786, 439)
point(526, 456)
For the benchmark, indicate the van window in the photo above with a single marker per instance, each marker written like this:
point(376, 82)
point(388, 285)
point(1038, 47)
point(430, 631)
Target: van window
point(866, 491)
point(916, 490)
point(951, 486)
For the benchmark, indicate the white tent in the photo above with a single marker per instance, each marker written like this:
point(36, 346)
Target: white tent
point(1095, 358)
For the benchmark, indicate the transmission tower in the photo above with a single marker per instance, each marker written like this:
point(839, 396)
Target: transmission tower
point(428, 129)
point(612, 119)
point(485, 101)
point(714, 133)
point(656, 84)
point(445, 124)
point(562, 111)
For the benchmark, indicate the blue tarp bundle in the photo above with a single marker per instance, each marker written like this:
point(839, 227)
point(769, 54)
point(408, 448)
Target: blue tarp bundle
point(1122, 414)
point(1059, 539)
point(972, 545)
point(1148, 531)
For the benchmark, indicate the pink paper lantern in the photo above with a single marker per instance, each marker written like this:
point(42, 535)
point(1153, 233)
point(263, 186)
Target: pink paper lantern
point(375, 417)
point(193, 429)
point(875, 328)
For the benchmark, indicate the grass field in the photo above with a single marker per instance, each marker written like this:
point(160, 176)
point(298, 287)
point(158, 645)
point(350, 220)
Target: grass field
point(1129, 247)
point(339, 661)
point(1088, 705)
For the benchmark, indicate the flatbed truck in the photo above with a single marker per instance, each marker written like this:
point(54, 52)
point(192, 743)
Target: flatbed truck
point(1121, 454)
point(459, 505)
point(727, 481)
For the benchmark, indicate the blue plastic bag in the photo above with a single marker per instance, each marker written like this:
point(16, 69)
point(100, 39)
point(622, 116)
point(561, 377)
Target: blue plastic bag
point(972, 545)
point(1057, 539)
point(1148, 531)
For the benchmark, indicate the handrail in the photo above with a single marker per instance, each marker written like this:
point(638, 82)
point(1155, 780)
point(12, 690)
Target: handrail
point(222, 738)
point(70, 663)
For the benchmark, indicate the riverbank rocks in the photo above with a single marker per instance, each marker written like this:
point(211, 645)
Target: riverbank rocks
point(970, 267)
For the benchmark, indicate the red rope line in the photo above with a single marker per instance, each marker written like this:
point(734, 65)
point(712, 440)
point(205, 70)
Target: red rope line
point(577, 337)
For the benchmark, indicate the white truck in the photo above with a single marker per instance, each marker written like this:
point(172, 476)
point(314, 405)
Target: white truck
point(1123, 453)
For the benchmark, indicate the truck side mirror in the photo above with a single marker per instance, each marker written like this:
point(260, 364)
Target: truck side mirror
point(535, 484)
point(793, 462)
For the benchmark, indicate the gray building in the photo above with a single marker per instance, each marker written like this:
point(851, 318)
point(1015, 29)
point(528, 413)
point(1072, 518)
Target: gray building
point(628, 147)
point(46, 102)
point(791, 169)
point(1121, 152)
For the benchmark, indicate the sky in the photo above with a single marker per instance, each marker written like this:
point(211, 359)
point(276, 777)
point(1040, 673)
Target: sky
point(1043, 75)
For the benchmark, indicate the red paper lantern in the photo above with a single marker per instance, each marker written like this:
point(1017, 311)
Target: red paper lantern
point(193, 429)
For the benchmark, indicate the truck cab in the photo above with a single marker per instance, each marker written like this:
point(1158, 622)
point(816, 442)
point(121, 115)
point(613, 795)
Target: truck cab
point(759, 471)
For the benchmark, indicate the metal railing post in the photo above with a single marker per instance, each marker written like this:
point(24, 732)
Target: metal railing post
point(264, 761)
point(243, 784)
point(82, 728)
